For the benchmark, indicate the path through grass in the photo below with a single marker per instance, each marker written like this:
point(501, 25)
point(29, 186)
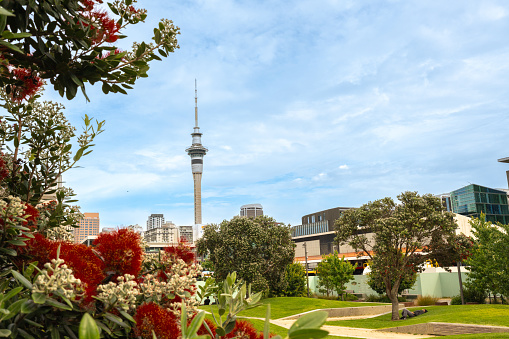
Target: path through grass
point(495, 315)
point(287, 306)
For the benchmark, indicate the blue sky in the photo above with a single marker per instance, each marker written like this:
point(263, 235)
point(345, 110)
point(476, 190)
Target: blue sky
point(304, 106)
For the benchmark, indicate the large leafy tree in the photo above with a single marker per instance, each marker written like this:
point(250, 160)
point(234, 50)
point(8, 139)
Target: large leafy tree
point(398, 238)
point(257, 249)
point(295, 280)
point(73, 42)
point(334, 273)
point(489, 262)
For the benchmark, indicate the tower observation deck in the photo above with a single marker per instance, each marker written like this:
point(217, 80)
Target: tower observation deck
point(197, 151)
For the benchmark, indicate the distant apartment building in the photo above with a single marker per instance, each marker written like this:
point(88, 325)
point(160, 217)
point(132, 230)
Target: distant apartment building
point(88, 226)
point(186, 232)
point(251, 210)
point(155, 221)
point(168, 234)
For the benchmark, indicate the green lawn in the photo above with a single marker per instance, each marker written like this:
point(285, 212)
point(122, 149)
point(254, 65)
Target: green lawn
point(497, 315)
point(284, 307)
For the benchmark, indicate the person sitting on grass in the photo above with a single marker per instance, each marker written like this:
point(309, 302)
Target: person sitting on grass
point(409, 314)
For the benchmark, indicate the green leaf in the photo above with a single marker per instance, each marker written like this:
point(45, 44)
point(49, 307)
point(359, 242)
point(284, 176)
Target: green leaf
point(57, 304)
point(29, 306)
point(310, 320)
point(266, 328)
point(127, 316)
point(88, 328)
point(14, 309)
point(183, 320)
point(8, 251)
point(24, 281)
point(220, 331)
point(3, 11)
point(195, 324)
point(39, 298)
point(17, 242)
point(308, 333)
point(5, 333)
point(12, 293)
point(116, 320)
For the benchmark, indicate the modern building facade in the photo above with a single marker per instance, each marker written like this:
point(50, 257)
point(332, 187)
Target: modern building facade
point(186, 232)
point(472, 200)
point(155, 221)
point(197, 151)
point(88, 226)
point(317, 231)
point(251, 210)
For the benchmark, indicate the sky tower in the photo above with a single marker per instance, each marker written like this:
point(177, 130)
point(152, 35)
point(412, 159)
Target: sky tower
point(197, 151)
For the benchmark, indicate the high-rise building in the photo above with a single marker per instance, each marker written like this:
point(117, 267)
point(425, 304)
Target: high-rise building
point(87, 227)
point(472, 200)
point(197, 151)
point(155, 221)
point(251, 210)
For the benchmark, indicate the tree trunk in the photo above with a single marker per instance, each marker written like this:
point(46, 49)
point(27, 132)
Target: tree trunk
point(395, 305)
point(461, 283)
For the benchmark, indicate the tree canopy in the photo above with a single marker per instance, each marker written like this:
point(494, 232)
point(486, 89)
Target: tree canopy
point(334, 273)
point(398, 238)
point(257, 249)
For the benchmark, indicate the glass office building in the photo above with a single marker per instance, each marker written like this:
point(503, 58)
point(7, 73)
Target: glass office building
point(471, 200)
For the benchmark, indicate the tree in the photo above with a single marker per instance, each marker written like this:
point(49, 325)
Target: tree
point(489, 263)
point(398, 238)
point(334, 273)
point(72, 42)
point(376, 282)
point(257, 249)
point(295, 280)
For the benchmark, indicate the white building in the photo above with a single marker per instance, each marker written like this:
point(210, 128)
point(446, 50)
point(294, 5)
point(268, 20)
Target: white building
point(167, 233)
point(155, 221)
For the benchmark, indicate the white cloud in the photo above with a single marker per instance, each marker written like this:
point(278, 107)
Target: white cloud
point(343, 167)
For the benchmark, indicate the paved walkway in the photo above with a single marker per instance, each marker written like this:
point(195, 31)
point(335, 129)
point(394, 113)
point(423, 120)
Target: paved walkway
point(355, 332)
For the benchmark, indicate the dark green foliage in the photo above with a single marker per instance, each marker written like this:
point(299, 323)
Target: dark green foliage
point(489, 261)
point(257, 249)
point(333, 274)
point(397, 234)
point(295, 278)
point(376, 282)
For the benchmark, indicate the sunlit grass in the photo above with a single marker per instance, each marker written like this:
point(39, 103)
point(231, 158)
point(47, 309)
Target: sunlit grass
point(287, 306)
point(495, 315)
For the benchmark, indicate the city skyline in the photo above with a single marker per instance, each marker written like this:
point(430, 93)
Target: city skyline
point(303, 108)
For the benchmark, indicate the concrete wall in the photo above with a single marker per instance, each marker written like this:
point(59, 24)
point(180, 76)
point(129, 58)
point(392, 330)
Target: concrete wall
point(435, 284)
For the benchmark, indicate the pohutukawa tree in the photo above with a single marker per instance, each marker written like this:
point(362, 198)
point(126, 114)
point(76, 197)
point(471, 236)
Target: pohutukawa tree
point(398, 238)
point(74, 42)
point(257, 249)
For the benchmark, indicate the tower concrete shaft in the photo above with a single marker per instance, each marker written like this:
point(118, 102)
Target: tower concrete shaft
point(197, 151)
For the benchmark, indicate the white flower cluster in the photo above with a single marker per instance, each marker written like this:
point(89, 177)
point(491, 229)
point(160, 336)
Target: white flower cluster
point(62, 233)
point(57, 278)
point(123, 293)
point(128, 12)
point(12, 208)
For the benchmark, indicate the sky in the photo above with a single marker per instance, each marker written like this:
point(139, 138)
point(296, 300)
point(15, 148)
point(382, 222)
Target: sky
point(303, 106)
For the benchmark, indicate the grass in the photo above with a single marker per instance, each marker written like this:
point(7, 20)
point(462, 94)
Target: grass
point(496, 315)
point(274, 329)
point(284, 307)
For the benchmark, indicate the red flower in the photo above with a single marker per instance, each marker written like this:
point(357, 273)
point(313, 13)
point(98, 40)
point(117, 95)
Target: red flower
point(3, 168)
point(245, 330)
point(181, 251)
point(152, 317)
point(121, 251)
point(31, 216)
point(30, 84)
point(85, 265)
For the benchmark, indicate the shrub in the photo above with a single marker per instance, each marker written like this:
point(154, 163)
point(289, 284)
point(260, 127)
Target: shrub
point(456, 300)
point(471, 296)
point(426, 300)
